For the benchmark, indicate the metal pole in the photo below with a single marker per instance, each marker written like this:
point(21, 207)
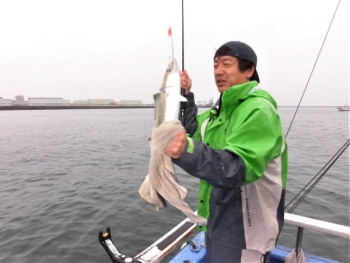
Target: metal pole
point(299, 239)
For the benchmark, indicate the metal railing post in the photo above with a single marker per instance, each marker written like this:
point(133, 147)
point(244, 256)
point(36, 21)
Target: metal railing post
point(299, 239)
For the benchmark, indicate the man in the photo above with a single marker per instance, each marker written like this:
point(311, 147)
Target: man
point(238, 151)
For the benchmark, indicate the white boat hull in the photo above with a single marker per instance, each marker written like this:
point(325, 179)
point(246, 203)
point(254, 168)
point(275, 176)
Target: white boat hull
point(344, 108)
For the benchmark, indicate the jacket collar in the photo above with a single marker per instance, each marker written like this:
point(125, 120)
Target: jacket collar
point(233, 96)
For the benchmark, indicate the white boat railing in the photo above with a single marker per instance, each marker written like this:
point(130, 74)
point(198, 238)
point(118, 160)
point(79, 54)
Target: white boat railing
point(163, 246)
point(313, 224)
point(318, 225)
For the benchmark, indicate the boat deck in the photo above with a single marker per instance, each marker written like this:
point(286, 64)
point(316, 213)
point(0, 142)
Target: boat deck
point(189, 253)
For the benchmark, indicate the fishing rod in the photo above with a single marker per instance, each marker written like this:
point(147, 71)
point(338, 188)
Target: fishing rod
point(182, 104)
point(183, 39)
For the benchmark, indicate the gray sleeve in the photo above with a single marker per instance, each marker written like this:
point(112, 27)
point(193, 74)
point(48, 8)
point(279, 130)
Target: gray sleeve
point(219, 168)
point(191, 111)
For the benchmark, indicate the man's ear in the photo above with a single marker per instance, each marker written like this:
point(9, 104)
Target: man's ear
point(249, 72)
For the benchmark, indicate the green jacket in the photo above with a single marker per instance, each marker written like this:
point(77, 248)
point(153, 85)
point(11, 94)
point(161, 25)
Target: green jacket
point(239, 153)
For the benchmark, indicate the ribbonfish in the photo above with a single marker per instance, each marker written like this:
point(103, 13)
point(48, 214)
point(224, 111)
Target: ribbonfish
point(160, 185)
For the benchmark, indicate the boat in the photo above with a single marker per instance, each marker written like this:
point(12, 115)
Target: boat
point(193, 250)
point(344, 108)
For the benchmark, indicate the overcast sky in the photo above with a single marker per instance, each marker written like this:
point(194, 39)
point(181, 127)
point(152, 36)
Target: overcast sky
point(113, 49)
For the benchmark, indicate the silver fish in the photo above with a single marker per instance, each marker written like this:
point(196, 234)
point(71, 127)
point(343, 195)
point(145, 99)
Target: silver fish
point(160, 185)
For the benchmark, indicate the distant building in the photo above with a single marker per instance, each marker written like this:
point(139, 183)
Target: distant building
point(45, 102)
point(130, 102)
point(80, 102)
point(100, 102)
point(201, 103)
point(211, 103)
point(5, 102)
point(19, 98)
point(20, 103)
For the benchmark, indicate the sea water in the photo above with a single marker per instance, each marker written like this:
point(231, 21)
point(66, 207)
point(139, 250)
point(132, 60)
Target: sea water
point(65, 175)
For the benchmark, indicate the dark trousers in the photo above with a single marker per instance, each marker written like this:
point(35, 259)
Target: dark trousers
point(223, 254)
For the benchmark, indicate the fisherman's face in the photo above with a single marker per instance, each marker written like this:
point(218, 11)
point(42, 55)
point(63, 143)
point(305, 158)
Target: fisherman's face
point(227, 74)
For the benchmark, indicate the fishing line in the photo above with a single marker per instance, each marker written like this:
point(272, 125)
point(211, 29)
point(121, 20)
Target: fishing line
point(325, 169)
point(317, 174)
point(340, 151)
point(324, 40)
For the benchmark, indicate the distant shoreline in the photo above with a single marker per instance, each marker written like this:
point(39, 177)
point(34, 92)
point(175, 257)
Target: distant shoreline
point(72, 107)
point(11, 108)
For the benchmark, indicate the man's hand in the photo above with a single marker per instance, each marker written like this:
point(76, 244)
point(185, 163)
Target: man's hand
point(186, 82)
point(177, 146)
